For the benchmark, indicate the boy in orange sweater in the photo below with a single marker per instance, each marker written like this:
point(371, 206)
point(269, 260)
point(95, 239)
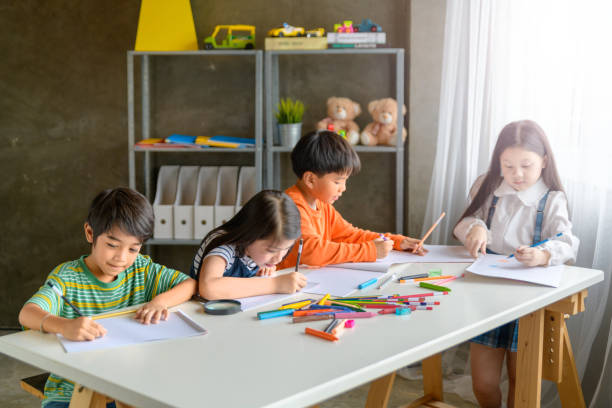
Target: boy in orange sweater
point(323, 161)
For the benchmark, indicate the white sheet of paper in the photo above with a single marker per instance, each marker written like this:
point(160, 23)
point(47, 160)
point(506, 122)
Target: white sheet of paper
point(339, 281)
point(124, 330)
point(251, 302)
point(437, 253)
point(499, 266)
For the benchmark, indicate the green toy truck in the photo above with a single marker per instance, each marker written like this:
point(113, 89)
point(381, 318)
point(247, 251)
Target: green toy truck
point(231, 36)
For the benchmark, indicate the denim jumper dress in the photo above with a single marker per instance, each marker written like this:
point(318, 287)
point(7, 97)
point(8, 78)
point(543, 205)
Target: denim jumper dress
point(506, 336)
point(237, 270)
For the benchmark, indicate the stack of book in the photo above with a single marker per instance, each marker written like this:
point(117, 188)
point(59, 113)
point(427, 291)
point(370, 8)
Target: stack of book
point(356, 40)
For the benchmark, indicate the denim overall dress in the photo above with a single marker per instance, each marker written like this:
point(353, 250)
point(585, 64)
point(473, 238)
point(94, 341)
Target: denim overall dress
point(506, 336)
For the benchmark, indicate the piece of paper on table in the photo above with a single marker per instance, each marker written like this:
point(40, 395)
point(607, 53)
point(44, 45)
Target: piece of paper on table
point(500, 266)
point(436, 254)
point(251, 302)
point(124, 330)
point(338, 281)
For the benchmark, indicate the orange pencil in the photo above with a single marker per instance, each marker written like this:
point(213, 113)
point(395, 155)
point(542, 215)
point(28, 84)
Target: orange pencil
point(420, 244)
point(320, 334)
point(432, 278)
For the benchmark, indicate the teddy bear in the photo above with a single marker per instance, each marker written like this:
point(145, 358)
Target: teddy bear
point(341, 113)
point(383, 131)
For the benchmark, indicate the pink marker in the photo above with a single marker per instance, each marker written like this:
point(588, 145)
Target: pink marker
point(353, 315)
point(349, 324)
point(448, 279)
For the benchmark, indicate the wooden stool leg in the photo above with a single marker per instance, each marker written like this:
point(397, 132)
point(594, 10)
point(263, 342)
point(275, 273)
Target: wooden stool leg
point(83, 397)
point(529, 360)
point(380, 390)
point(570, 390)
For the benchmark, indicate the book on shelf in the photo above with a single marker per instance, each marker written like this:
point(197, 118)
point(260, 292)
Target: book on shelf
point(364, 45)
point(197, 142)
point(357, 38)
point(295, 43)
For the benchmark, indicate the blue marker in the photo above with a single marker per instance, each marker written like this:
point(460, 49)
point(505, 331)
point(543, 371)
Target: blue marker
point(539, 243)
point(367, 283)
point(274, 313)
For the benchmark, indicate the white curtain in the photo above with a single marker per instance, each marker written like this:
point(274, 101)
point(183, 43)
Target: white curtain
point(549, 61)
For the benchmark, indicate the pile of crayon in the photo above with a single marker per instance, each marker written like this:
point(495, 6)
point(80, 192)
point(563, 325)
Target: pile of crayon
point(342, 310)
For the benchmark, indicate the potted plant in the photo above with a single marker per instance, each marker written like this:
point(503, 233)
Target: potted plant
point(289, 114)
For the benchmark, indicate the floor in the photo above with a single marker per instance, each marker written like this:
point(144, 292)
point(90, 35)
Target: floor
point(404, 391)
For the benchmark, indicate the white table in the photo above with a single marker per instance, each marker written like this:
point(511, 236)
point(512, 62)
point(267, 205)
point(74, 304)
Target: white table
point(271, 363)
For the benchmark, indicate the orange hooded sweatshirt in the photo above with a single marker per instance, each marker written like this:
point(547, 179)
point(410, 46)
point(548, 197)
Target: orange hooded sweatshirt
point(329, 238)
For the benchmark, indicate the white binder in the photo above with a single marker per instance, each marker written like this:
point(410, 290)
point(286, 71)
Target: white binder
point(225, 201)
point(204, 208)
point(164, 200)
point(246, 186)
point(185, 199)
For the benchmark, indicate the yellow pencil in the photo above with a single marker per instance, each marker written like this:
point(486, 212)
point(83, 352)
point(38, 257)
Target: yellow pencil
point(323, 299)
point(295, 305)
point(113, 314)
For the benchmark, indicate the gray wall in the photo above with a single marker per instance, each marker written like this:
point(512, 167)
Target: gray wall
point(63, 127)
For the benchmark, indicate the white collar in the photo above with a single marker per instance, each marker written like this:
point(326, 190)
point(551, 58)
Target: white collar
point(530, 197)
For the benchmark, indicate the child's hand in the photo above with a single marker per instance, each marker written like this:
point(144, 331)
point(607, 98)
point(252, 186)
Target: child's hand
point(82, 328)
point(290, 282)
point(151, 312)
point(408, 244)
point(383, 247)
point(529, 256)
point(267, 271)
point(476, 241)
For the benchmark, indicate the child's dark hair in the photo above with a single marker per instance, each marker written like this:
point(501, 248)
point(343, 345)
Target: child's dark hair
point(528, 135)
point(323, 152)
point(124, 208)
point(268, 214)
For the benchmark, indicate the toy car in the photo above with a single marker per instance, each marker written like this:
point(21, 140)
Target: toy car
point(367, 25)
point(345, 27)
point(231, 36)
point(315, 32)
point(286, 30)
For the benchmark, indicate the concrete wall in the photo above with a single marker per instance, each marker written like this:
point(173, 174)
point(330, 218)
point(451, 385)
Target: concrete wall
point(63, 127)
point(426, 44)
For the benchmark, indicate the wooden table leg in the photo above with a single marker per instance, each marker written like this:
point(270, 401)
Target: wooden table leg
point(529, 360)
point(432, 377)
point(380, 390)
point(570, 389)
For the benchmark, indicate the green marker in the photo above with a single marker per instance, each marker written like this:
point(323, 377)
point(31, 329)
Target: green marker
point(434, 287)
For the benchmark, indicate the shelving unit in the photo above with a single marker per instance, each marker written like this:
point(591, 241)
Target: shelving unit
point(272, 97)
point(257, 151)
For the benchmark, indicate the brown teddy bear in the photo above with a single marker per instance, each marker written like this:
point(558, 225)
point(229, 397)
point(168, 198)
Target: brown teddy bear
point(340, 114)
point(383, 131)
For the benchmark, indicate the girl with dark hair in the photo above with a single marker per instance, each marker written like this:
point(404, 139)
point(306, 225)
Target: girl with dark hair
point(251, 244)
point(516, 204)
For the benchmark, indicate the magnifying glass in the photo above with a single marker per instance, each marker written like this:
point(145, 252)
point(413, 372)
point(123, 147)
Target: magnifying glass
point(222, 307)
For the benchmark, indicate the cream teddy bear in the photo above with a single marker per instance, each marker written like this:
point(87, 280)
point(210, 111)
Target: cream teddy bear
point(383, 131)
point(341, 113)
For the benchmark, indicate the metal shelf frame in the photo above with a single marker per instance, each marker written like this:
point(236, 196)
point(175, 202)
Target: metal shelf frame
point(146, 57)
point(146, 114)
point(271, 82)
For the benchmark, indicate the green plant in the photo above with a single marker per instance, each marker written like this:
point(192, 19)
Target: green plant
point(289, 111)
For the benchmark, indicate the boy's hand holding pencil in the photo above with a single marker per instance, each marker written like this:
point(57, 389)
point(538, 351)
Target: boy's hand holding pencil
point(409, 244)
point(81, 328)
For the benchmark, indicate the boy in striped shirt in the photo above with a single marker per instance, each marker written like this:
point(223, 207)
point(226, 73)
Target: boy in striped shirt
point(113, 276)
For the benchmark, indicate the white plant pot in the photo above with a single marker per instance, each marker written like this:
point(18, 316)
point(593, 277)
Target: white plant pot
point(289, 133)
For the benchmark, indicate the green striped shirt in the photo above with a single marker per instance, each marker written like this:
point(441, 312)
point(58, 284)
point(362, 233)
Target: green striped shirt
point(138, 284)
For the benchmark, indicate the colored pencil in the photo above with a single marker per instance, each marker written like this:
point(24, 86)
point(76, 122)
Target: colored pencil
point(429, 231)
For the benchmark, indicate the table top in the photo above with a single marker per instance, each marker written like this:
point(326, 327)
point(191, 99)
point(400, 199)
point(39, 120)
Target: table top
point(271, 363)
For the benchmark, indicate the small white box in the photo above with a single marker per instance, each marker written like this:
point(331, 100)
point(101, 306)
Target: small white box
point(185, 199)
point(204, 207)
point(225, 201)
point(164, 200)
point(246, 186)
